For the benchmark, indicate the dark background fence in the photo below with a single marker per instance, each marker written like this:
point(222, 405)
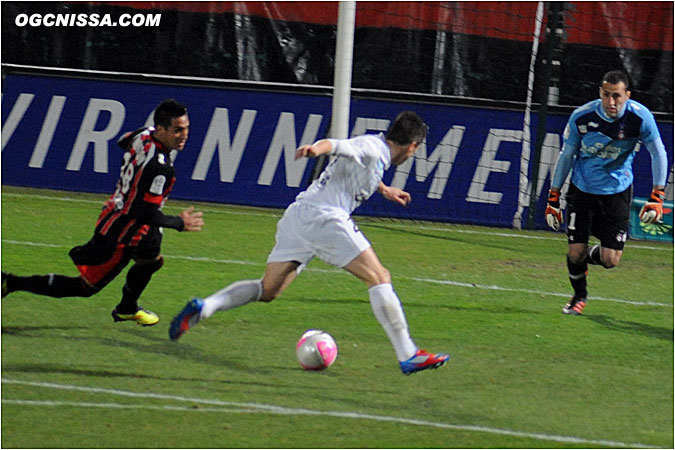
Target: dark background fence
point(462, 49)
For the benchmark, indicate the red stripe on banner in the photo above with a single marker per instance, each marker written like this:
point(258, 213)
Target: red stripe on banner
point(629, 25)
point(502, 20)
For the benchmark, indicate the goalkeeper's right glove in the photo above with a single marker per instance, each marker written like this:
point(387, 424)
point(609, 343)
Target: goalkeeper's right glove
point(652, 211)
point(554, 216)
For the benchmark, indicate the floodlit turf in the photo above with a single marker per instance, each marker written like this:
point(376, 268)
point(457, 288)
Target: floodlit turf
point(521, 374)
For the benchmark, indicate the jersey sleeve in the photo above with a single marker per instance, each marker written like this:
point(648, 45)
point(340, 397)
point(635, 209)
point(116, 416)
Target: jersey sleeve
point(357, 149)
point(571, 142)
point(158, 219)
point(651, 138)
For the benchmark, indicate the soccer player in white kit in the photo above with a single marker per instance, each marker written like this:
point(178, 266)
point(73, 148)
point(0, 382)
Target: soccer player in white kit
point(318, 224)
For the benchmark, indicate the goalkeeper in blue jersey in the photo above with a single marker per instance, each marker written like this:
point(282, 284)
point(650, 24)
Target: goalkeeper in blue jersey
point(600, 140)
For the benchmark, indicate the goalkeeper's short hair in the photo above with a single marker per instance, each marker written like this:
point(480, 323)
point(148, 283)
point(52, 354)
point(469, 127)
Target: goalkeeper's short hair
point(616, 77)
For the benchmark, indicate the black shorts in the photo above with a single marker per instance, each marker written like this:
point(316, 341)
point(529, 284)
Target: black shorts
point(605, 216)
point(100, 261)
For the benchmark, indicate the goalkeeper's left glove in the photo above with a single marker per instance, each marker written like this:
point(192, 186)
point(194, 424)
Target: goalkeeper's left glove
point(554, 216)
point(652, 211)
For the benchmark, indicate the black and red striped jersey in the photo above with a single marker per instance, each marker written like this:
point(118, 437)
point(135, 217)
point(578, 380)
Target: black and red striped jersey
point(146, 178)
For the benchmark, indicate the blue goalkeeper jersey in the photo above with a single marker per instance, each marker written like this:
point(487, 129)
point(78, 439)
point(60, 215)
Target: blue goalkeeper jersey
point(600, 150)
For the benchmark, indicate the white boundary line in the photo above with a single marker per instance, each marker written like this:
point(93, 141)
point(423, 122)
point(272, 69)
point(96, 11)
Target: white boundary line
point(531, 291)
point(258, 408)
point(402, 277)
point(224, 210)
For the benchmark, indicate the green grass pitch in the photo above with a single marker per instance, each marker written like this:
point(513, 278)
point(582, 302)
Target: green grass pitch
point(521, 374)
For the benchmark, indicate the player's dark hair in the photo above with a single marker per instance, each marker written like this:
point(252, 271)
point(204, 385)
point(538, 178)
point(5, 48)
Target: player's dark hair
point(408, 127)
point(167, 110)
point(616, 77)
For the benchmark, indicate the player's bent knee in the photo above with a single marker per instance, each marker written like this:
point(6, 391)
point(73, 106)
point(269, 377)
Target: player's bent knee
point(268, 297)
point(610, 263)
point(151, 266)
point(87, 290)
point(159, 262)
point(610, 259)
point(384, 276)
point(269, 294)
point(576, 258)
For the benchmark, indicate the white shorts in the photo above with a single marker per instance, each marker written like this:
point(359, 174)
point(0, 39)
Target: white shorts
point(306, 231)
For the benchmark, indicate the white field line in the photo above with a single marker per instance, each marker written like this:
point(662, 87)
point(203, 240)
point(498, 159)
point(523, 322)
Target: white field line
point(223, 210)
point(531, 291)
point(258, 408)
point(100, 203)
point(402, 277)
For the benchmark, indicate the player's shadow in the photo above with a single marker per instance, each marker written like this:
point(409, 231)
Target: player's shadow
point(151, 343)
point(180, 351)
point(488, 308)
point(30, 331)
point(408, 232)
point(627, 326)
point(501, 246)
point(58, 369)
point(48, 368)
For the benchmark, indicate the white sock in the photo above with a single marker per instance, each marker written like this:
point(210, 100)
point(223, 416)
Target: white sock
point(236, 294)
point(389, 312)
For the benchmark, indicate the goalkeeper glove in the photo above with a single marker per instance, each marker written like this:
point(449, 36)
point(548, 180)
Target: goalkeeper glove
point(652, 211)
point(554, 216)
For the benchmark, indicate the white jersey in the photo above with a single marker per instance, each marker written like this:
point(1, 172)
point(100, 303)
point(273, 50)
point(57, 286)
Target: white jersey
point(355, 171)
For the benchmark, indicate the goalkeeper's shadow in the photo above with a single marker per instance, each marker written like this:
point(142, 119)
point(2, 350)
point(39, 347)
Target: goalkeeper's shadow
point(627, 326)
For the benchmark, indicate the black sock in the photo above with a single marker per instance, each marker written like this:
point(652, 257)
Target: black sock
point(593, 255)
point(138, 278)
point(577, 274)
point(51, 285)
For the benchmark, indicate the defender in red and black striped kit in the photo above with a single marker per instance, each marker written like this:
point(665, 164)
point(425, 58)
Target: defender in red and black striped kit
point(130, 225)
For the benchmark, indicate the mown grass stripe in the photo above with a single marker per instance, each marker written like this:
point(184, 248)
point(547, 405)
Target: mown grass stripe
point(364, 222)
point(403, 277)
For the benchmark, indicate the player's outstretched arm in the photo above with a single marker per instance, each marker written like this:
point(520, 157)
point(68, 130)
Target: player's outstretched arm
point(393, 194)
point(318, 148)
point(193, 220)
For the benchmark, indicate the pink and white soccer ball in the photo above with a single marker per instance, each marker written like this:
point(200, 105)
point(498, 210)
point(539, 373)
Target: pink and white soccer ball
point(316, 350)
